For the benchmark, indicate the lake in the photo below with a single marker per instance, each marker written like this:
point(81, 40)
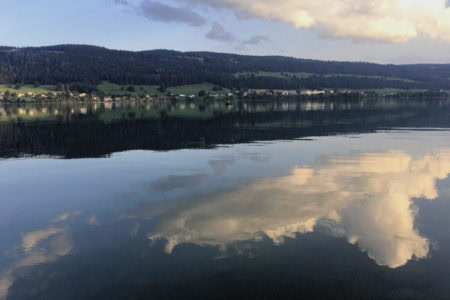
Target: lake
point(257, 200)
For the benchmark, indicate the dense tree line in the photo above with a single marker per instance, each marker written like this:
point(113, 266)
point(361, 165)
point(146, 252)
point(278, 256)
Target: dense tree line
point(69, 64)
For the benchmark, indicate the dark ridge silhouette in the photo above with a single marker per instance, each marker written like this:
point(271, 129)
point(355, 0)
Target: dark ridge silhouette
point(92, 64)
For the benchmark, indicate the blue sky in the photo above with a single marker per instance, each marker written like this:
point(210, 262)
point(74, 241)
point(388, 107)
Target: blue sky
point(390, 31)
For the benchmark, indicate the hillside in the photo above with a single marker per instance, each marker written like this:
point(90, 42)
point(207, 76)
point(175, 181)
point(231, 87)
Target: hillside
point(90, 64)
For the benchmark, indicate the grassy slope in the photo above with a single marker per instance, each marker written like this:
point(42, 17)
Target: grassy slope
point(28, 88)
point(306, 75)
point(371, 77)
point(191, 89)
point(115, 89)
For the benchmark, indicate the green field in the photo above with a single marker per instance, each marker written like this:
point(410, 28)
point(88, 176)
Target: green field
point(27, 88)
point(116, 89)
point(191, 89)
point(369, 77)
point(306, 75)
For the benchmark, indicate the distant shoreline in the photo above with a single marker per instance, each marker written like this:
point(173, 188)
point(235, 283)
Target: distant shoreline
point(229, 98)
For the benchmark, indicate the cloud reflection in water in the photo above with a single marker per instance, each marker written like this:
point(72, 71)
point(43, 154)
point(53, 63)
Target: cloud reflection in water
point(366, 198)
point(37, 247)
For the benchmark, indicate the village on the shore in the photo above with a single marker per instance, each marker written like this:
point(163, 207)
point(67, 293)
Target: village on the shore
point(228, 95)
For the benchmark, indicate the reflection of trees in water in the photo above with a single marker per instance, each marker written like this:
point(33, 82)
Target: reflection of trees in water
point(92, 130)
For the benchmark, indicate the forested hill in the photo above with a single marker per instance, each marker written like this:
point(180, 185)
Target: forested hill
point(91, 64)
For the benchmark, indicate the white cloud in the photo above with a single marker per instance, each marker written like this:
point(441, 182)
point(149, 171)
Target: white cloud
point(382, 20)
point(256, 40)
point(58, 243)
point(30, 240)
point(366, 198)
point(5, 282)
point(170, 14)
point(65, 216)
point(38, 247)
point(218, 33)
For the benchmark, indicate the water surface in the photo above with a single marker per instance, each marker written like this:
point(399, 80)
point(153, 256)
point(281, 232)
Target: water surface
point(199, 200)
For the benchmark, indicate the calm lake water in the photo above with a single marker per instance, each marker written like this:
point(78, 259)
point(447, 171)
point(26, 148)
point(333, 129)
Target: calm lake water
point(314, 200)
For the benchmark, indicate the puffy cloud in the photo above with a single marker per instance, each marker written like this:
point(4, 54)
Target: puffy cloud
point(30, 240)
point(66, 216)
point(383, 20)
point(257, 39)
point(165, 13)
point(218, 33)
point(5, 282)
point(366, 198)
point(38, 247)
point(58, 243)
point(157, 11)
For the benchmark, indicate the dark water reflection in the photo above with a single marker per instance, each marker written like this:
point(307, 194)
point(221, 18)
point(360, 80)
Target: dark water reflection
point(254, 200)
point(93, 130)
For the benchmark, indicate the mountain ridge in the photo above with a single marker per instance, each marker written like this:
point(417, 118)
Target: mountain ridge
point(68, 63)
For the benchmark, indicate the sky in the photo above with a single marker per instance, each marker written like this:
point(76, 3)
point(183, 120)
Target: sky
point(382, 31)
